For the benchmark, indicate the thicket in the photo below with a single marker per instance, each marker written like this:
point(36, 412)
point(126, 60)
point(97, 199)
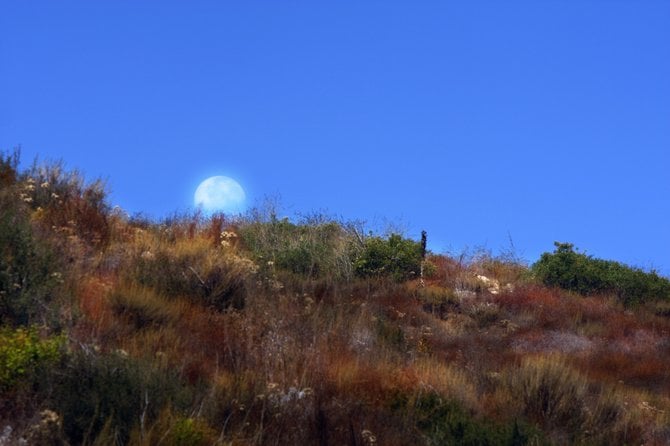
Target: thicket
point(574, 271)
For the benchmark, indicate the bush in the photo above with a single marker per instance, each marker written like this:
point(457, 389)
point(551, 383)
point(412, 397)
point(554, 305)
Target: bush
point(573, 271)
point(28, 269)
point(24, 356)
point(397, 257)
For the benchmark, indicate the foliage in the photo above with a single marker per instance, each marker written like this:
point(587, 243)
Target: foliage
point(397, 257)
point(25, 356)
point(574, 271)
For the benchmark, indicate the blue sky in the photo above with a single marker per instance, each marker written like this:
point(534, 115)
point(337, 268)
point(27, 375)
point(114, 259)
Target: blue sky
point(477, 120)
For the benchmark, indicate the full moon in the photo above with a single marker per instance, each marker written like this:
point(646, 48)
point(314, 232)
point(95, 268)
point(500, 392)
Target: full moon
point(220, 194)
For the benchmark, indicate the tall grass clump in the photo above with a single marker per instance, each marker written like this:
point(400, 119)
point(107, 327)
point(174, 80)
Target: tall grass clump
point(568, 269)
point(550, 393)
point(191, 268)
point(142, 307)
point(316, 247)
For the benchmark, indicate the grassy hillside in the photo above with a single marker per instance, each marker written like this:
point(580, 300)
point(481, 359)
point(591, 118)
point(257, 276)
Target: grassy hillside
point(265, 331)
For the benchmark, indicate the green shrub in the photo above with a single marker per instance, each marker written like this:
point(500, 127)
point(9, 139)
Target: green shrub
point(574, 271)
point(396, 257)
point(24, 356)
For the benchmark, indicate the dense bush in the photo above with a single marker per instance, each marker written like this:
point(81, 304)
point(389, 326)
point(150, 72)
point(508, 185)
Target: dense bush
point(574, 271)
point(396, 257)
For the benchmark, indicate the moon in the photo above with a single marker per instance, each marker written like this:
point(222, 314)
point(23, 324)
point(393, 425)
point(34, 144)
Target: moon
point(220, 194)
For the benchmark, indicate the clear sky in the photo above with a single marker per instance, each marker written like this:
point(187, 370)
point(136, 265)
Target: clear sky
point(474, 120)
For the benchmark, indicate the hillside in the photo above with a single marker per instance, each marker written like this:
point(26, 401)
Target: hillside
point(264, 331)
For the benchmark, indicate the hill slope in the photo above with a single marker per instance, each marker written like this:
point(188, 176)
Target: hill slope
point(118, 330)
